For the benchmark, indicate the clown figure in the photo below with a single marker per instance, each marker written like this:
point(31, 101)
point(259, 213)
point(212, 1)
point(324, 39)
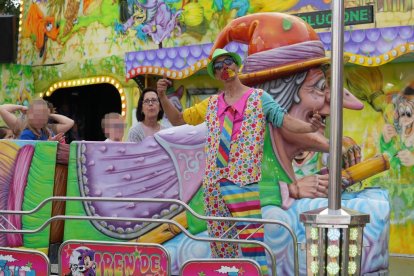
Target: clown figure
point(236, 121)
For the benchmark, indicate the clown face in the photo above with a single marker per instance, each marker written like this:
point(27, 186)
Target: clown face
point(314, 97)
point(405, 115)
point(140, 15)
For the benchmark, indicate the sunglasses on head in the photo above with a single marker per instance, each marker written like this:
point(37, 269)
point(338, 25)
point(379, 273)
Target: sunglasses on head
point(218, 65)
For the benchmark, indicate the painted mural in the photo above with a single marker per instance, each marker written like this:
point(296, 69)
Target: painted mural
point(16, 85)
point(386, 126)
point(92, 36)
point(65, 30)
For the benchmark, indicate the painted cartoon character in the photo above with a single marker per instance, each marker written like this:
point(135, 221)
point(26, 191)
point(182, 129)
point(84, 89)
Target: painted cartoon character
point(87, 264)
point(138, 17)
point(398, 138)
point(81, 262)
point(40, 28)
point(242, 6)
point(154, 19)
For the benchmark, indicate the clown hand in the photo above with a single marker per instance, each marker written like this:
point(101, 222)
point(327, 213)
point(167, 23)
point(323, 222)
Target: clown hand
point(311, 186)
point(406, 157)
point(316, 122)
point(351, 152)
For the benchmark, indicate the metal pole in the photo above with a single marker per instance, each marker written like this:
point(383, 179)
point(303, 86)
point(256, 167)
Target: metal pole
point(335, 141)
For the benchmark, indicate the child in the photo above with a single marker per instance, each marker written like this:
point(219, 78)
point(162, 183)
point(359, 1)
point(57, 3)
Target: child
point(36, 125)
point(113, 127)
point(32, 123)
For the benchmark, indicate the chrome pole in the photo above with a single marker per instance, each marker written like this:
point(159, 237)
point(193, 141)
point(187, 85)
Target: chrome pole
point(335, 140)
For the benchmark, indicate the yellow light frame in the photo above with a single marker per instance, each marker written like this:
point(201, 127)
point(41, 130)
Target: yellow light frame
point(89, 81)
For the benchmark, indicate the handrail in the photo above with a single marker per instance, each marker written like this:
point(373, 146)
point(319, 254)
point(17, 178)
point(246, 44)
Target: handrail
point(153, 200)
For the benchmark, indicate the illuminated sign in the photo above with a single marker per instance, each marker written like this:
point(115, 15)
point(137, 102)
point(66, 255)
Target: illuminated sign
point(353, 16)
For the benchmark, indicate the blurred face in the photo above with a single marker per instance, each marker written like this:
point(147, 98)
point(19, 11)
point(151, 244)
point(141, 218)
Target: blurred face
point(114, 129)
point(225, 68)
point(38, 115)
point(150, 105)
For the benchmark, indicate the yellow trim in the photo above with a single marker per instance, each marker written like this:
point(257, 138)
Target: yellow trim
point(389, 56)
point(394, 53)
point(171, 74)
point(89, 81)
point(19, 35)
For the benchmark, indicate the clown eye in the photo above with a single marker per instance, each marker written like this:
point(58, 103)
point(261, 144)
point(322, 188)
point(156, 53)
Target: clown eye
point(401, 111)
point(321, 85)
point(408, 112)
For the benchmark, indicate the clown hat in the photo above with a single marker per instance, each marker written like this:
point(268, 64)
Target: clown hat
point(278, 44)
point(218, 53)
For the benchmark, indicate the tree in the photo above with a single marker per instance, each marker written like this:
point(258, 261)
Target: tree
point(11, 7)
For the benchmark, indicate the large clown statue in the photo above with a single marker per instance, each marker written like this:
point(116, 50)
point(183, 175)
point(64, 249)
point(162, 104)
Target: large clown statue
point(287, 59)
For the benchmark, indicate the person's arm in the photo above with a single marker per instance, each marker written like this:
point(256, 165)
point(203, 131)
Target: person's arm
point(7, 113)
point(62, 124)
point(279, 117)
point(173, 114)
point(193, 115)
point(298, 126)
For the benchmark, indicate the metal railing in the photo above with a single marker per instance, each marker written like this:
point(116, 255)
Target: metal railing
point(234, 239)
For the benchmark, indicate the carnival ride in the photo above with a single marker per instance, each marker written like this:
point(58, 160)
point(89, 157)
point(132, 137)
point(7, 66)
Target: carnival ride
point(95, 216)
point(98, 191)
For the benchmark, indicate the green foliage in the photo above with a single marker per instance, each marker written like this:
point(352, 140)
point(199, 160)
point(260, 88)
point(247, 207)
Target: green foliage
point(10, 7)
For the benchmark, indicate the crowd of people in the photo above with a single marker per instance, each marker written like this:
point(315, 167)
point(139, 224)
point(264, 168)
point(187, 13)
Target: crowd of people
point(39, 121)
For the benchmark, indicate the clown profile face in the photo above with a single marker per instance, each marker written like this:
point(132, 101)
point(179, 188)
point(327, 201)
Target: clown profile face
point(405, 114)
point(314, 96)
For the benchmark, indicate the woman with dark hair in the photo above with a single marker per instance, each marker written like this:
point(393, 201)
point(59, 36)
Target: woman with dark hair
point(149, 113)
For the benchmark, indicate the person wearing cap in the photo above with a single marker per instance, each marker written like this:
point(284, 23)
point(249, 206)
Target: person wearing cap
point(236, 120)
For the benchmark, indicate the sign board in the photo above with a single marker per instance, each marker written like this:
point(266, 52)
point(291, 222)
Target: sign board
point(113, 258)
point(220, 267)
point(23, 262)
point(353, 16)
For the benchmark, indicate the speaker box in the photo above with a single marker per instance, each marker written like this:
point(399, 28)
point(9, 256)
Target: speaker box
point(8, 38)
